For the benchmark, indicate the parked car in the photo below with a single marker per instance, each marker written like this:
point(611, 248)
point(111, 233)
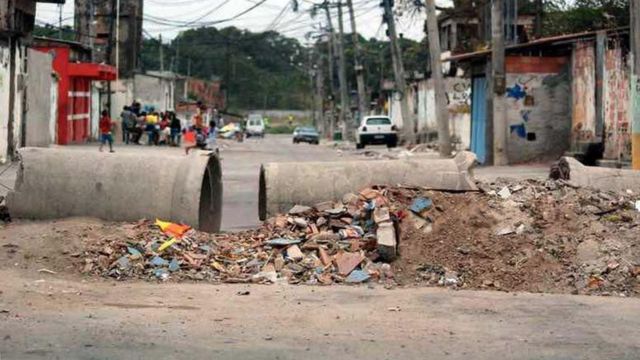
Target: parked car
point(376, 130)
point(306, 134)
point(255, 125)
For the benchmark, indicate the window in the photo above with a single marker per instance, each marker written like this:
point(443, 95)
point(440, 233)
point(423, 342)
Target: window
point(379, 121)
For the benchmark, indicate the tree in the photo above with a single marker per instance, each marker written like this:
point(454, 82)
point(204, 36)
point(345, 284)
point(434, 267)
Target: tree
point(260, 70)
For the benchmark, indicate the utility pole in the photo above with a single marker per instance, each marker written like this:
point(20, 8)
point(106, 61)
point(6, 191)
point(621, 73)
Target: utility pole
point(345, 104)
point(332, 50)
point(118, 39)
point(499, 84)
point(442, 114)
point(408, 132)
point(634, 9)
point(91, 29)
point(112, 22)
point(177, 64)
point(60, 21)
point(319, 90)
point(359, 69)
point(312, 77)
point(539, 9)
point(161, 50)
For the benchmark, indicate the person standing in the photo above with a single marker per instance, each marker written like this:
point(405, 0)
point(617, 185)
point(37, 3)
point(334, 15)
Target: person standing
point(128, 120)
point(212, 135)
point(105, 131)
point(176, 130)
point(151, 127)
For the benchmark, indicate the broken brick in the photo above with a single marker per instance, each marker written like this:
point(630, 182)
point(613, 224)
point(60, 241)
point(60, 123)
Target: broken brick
point(347, 262)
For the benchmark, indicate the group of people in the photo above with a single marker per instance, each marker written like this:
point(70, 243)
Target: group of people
point(163, 128)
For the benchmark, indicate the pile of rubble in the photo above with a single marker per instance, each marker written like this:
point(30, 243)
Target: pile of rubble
point(539, 236)
point(350, 241)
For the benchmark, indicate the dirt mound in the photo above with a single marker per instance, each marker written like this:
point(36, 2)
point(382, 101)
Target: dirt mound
point(528, 236)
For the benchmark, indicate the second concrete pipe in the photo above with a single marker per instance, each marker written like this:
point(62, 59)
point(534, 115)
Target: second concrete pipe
point(59, 183)
point(283, 185)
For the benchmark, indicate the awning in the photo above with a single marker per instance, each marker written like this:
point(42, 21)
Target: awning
point(93, 71)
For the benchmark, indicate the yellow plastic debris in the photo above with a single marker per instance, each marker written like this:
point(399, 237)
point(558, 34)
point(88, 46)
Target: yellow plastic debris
point(172, 229)
point(167, 244)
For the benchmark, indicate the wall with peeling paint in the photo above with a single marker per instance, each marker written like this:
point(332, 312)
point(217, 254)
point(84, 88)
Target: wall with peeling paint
point(538, 108)
point(583, 92)
point(617, 141)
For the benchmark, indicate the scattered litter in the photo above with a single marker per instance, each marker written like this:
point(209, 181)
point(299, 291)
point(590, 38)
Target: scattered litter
point(243, 293)
point(283, 242)
point(299, 210)
point(421, 204)
point(161, 274)
point(394, 309)
point(167, 244)
point(505, 193)
point(47, 271)
point(171, 229)
point(158, 261)
point(357, 276)
point(506, 230)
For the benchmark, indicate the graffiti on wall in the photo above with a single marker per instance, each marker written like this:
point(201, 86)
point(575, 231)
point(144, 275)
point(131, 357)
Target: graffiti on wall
point(521, 101)
point(459, 96)
point(616, 107)
point(584, 94)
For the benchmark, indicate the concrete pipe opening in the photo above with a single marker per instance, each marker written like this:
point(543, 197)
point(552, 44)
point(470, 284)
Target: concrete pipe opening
point(210, 211)
point(59, 183)
point(283, 185)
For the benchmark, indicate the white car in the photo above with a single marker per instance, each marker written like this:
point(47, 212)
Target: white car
point(255, 125)
point(377, 129)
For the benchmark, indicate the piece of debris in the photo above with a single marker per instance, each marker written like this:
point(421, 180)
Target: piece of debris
point(283, 242)
point(387, 243)
point(47, 271)
point(505, 193)
point(357, 276)
point(299, 210)
point(294, 253)
point(394, 309)
point(347, 262)
point(243, 293)
point(421, 204)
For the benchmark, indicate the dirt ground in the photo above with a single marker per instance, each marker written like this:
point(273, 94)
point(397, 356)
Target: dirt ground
point(47, 316)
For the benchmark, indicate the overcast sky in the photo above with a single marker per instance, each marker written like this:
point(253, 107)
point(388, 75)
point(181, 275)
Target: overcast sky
point(265, 16)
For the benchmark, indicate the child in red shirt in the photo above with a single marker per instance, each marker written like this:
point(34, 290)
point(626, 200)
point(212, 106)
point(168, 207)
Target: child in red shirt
point(105, 131)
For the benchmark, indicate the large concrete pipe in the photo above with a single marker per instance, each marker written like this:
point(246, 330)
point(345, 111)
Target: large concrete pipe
point(603, 178)
point(283, 185)
point(59, 183)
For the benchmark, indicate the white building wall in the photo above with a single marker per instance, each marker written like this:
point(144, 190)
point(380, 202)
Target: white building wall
point(5, 86)
point(458, 104)
point(38, 115)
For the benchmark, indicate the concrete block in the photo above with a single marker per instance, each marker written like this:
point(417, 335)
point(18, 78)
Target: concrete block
point(387, 242)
